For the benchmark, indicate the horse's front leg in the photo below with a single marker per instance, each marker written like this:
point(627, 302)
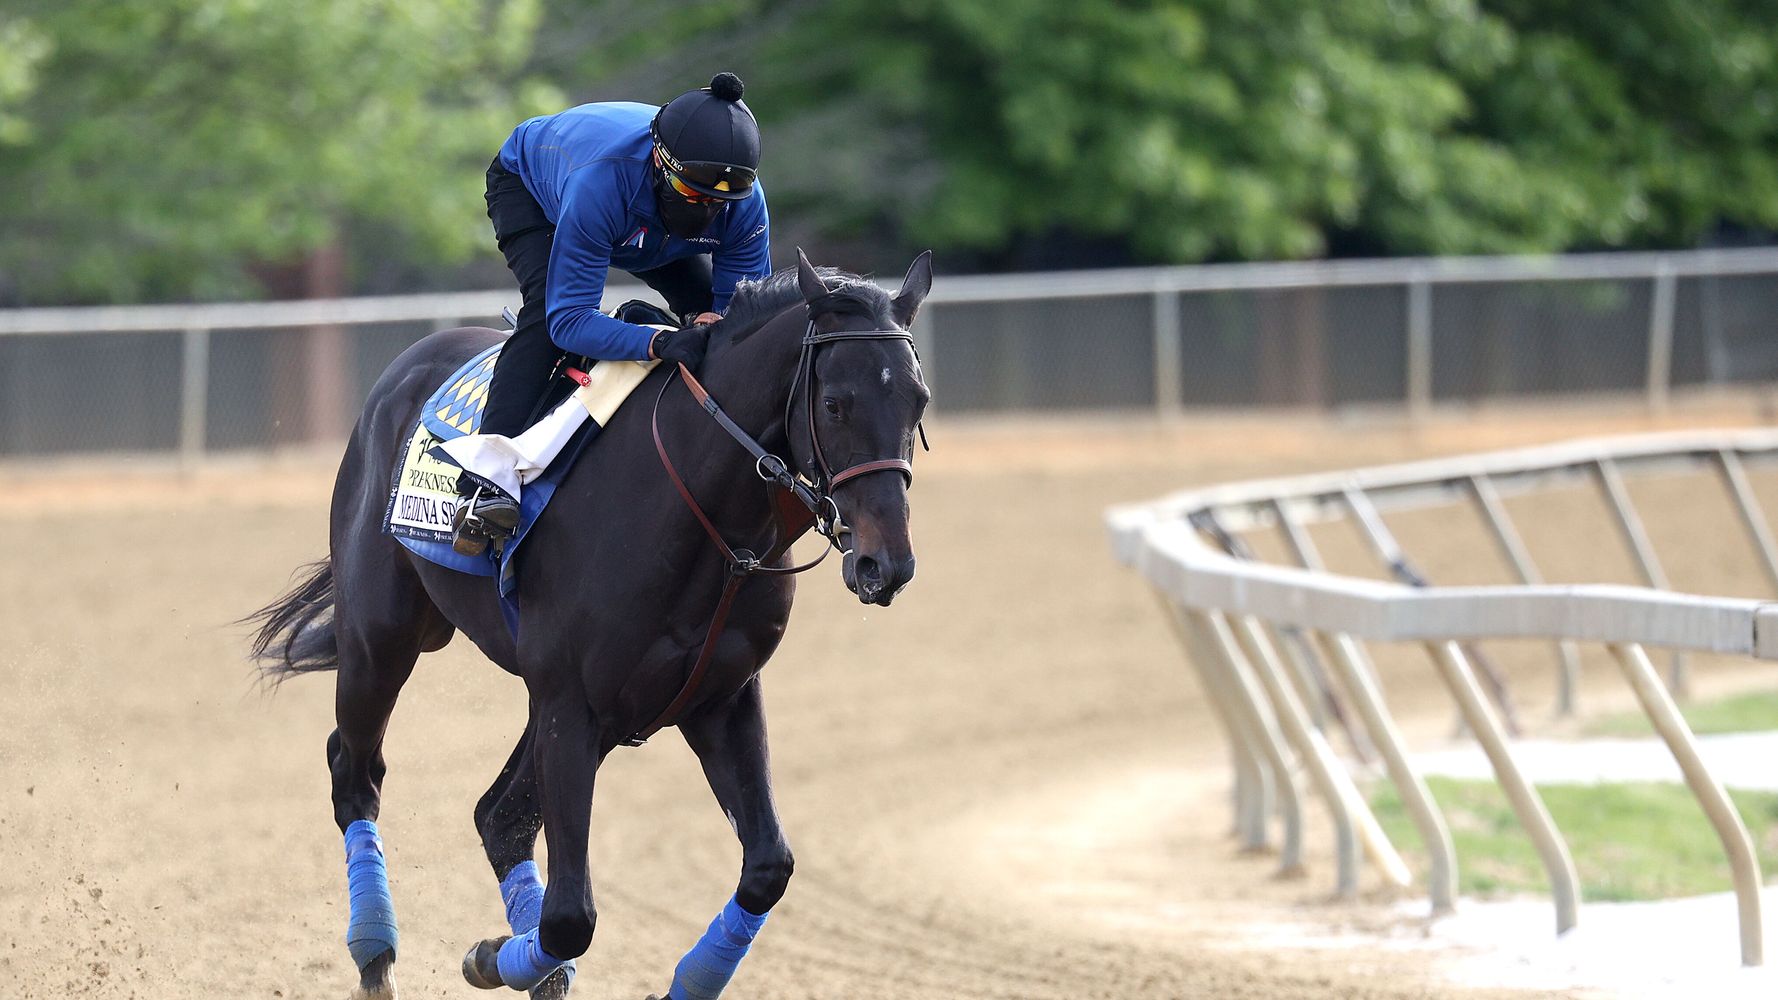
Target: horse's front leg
point(565, 748)
point(730, 741)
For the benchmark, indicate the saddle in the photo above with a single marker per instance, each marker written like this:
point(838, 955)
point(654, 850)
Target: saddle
point(423, 496)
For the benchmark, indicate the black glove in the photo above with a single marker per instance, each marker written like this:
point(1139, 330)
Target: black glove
point(684, 346)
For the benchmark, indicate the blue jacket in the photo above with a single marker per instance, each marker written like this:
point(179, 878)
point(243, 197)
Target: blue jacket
point(588, 167)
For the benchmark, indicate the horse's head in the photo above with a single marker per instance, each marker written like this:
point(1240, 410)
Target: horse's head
point(853, 418)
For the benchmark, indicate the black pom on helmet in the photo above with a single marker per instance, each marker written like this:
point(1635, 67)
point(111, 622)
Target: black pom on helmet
point(709, 140)
point(727, 86)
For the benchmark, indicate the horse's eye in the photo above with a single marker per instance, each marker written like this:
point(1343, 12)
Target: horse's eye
point(831, 405)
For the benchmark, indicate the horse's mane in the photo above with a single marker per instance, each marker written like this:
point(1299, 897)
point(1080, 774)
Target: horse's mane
point(757, 302)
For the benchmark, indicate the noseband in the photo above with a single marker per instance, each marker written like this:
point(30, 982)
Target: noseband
point(822, 513)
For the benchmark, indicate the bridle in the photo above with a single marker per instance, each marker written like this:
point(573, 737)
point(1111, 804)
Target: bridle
point(805, 377)
point(798, 505)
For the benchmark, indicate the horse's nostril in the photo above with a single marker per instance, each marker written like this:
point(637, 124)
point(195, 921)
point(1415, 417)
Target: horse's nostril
point(868, 570)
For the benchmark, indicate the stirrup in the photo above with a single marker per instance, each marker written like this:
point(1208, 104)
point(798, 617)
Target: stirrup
point(473, 530)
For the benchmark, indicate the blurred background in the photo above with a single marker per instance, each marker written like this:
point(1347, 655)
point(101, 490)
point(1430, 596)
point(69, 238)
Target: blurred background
point(1205, 172)
point(1177, 243)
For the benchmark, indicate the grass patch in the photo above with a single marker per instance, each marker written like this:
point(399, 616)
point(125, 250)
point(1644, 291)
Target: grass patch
point(1629, 841)
point(1747, 713)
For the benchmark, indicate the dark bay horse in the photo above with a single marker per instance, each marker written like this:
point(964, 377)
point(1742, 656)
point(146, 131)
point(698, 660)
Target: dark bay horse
point(618, 586)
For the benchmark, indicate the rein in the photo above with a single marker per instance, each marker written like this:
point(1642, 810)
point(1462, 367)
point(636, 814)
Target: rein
point(797, 507)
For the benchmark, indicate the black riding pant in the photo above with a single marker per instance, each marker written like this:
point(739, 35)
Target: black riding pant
point(525, 236)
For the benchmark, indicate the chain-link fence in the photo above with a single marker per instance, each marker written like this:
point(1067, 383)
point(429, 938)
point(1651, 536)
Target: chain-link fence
point(1413, 332)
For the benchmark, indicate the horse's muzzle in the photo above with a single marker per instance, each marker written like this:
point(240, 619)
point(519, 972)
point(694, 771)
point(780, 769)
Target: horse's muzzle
point(875, 580)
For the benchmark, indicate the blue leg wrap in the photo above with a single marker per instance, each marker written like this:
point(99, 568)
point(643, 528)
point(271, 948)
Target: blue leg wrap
point(372, 928)
point(522, 890)
point(523, 962)
point(710, 964)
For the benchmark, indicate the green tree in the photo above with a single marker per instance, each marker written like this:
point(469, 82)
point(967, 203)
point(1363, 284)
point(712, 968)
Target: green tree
point(1660, 117)
point(174, 149)
point(1241, 129)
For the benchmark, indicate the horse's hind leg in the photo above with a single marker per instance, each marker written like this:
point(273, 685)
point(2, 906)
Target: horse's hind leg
point(566, 753)
point(508, 818)
point(730, 741)
point(375, 658)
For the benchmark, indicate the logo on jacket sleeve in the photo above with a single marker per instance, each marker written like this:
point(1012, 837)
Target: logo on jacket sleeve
point(636, 239)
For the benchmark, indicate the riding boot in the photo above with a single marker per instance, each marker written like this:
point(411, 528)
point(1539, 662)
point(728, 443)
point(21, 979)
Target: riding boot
point(485, 515)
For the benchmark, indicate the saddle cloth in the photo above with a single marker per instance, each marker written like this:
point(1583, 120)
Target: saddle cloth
point(423, 494)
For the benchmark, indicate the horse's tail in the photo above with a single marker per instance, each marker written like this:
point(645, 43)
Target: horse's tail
point(295, 634)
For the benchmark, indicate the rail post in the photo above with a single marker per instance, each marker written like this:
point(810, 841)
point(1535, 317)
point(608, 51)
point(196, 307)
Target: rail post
point(1617, 495)
point(1354, 825)
point(1526, 803)
point(1743, 862)
point(1419, 347)
point(1729, 464)
point(194, 395)
point(1513, 546)
point(1252, 703)
point(1660, 337)
point(1169, 353)
point(1253, 780)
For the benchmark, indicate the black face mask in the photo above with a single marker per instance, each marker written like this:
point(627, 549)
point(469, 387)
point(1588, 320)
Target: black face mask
point(682, 218)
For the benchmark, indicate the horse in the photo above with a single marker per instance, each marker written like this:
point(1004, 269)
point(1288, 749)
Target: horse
point(618, 587)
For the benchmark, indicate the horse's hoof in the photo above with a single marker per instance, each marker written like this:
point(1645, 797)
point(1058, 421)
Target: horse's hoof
point(377, 980)
point(553, 987)
point(481, 967)
point(384, 990)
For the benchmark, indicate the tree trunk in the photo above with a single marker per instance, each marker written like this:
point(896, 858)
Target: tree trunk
point(311, 388)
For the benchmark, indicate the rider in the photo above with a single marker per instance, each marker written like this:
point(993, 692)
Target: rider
point(668, 194)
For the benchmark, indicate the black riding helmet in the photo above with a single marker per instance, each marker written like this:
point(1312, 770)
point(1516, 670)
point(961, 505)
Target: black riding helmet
point(707, 139)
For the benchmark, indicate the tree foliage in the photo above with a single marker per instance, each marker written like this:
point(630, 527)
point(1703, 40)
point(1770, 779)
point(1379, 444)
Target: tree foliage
point(1265, 128)
point(160, 150)
point(157, 150)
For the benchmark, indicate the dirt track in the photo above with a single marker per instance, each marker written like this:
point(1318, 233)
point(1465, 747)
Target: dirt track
point(1003, 787)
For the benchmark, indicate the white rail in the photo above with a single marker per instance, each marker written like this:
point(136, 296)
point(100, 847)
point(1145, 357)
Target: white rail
point(1222, 597)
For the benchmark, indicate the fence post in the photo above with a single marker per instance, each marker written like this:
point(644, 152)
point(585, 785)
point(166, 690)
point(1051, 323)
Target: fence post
point(1527, 805)
point(194, 395)
point(1419, 347)
point(1494, 512)
point(1658, 705)
point(1355, 827)
point(1660, 337)
point(1730, 465)
point(1215, 633)
point(1642, 550)
point(1169, 397)
point(1253, 780)
point(1435, 836)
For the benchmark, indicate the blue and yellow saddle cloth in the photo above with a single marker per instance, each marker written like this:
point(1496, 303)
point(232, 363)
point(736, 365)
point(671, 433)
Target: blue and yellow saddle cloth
point(423, 495)
point(456, 408)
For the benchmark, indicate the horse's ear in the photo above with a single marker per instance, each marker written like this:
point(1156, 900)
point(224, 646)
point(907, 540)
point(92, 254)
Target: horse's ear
point(806, 279)
point(913, 290)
